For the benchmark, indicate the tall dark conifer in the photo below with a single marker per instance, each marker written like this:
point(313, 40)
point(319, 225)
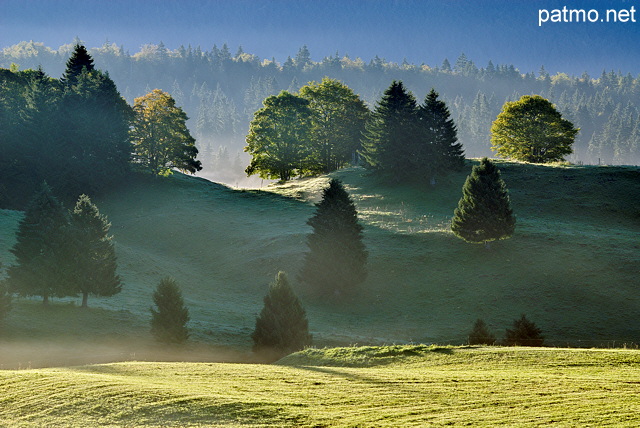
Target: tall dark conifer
point(40, 249)
point(440, 150)
point(282, 326)
point(336, 261)
point(390, 137)
point(484, 212)
point(170, 316)
point(93, 255)
point(78, 61)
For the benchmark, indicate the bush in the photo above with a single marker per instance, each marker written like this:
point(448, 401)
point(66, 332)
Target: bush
point(168, 322)
point(524, 333)
point(480, 334)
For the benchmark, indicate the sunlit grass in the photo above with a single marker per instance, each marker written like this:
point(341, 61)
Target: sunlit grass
point(382, 387)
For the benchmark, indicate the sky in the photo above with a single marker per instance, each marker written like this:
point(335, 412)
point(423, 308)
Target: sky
point(420, 31)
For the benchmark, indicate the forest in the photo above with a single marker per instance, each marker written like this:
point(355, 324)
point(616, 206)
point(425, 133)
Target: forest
point(220, 90)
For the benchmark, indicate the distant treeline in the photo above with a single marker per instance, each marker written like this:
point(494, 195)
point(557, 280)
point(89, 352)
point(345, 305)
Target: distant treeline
point(221, 90)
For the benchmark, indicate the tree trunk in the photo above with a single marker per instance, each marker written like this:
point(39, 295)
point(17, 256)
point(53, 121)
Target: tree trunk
point(85, 298)
point(45, 300)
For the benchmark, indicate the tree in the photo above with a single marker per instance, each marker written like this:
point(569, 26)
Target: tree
point(484, 212)
point(41, 248)
point(278, 138)
point(532, 130)
point(524, 333)
point(282, 326)
point(480, 334)
point(94, 258)
point(440, 150)
point(389, 140)
point(169, 319)
point(339, 118)
point(336, 261)
point(79, 61)
point(160, 137)
point(5, 301)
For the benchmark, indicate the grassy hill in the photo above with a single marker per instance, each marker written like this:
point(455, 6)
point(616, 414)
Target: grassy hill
point(383, 387)
point(572, 265)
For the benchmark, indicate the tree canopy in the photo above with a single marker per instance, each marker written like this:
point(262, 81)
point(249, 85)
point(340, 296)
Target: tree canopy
point(532, 130)
point(170, 316)
point(160, 137)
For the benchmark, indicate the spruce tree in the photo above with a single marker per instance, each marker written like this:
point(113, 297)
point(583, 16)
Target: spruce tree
point(440, 150)
point(5, 301)
point(524, 333)
point(169, 318)
point(336, 261)
point(484, 212)
point(282, 326)
point(78, 61)
point(41, 249)
point(390, 138)
point(94, 257)
point(480, 334)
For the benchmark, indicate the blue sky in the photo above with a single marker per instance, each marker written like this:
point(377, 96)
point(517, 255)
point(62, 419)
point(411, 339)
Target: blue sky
point(422, 31)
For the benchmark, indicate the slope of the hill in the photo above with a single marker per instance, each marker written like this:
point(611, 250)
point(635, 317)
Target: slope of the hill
point(572, 265)
point(367, 386)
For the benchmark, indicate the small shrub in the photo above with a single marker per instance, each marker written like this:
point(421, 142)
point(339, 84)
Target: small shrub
point(524, 333)
point(480, 334)
point(169, 321)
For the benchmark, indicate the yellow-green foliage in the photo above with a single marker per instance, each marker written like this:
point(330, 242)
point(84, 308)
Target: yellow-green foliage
point(399, 386)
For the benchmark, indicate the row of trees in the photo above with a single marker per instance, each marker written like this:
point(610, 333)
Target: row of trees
point(78, 134)
point(523, 333)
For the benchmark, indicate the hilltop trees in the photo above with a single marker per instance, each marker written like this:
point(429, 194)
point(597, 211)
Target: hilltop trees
point(282, 326)
point(160, 136)
point(170, 316)
point(93, 256)
point(524, 333)
point(338, 120)
point(336, 261)
point(40, 248)
point(532, 130)
point(79, 61)
point(484, 212)
point(278, 138)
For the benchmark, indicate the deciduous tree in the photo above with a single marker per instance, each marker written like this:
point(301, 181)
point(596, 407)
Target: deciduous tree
point(532, 130)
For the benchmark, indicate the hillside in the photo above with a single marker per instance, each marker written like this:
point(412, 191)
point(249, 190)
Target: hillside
point(382, 387)
point(572, 265)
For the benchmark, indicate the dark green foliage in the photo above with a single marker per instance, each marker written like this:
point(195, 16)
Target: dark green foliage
point(282, 326)
point(480, 334)
point(390, 137)
point(5, 301)
point(41, 249)
point(93, 258)
point(79, 61)
point(169, 318)
point(336, 261)
point(439, 151)
point(484, 212)
point(524, 333)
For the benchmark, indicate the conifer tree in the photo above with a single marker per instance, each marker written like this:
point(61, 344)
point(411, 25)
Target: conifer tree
point(440, 150)
point(480, 334)
point(484, 212)
point(336, 261)
point(94, 258)
point(169, 318)
point(282, 326)
point(5, 301)
point(390, 137)
point(78, 61)
point(524, 333)
point(41, 249)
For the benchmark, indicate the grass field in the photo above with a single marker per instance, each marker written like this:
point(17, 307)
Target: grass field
point(572, 265)
point(382, 387)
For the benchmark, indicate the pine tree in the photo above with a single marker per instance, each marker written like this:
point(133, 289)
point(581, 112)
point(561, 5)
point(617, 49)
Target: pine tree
point(169, 319)
point(5, 301)
point(41, 249)
point(94, 257)
point(439, 150)
point(78, 61)
point(524, 333)
point(282, 326)
point(484, 212)
point(480, 334)
point(390, 138)
point(336, 261)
